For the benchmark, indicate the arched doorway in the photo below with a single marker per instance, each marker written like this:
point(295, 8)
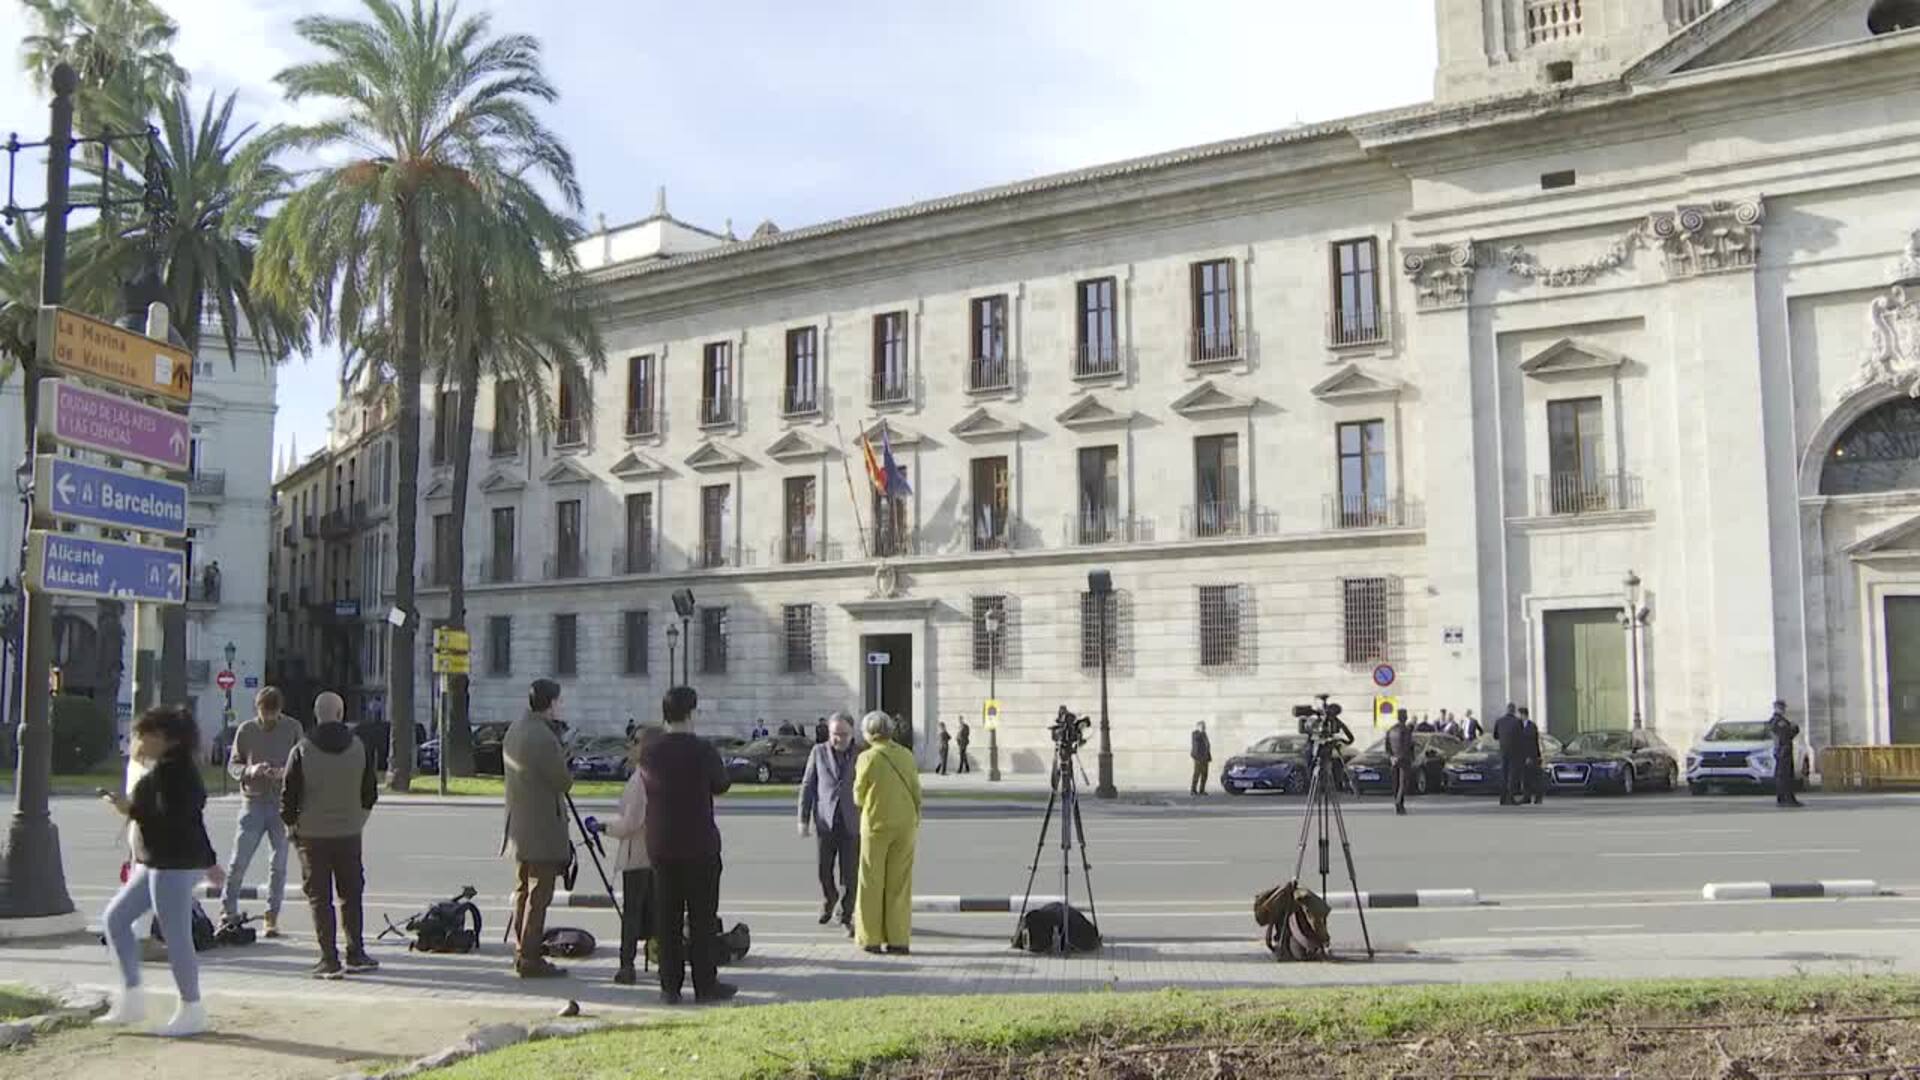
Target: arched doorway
point(1879, 452)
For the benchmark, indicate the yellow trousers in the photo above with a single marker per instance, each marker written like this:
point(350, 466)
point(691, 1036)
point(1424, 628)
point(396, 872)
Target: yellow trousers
point(884, 907)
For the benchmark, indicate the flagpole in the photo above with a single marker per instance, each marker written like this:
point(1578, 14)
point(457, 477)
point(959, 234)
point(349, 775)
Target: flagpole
point(859, 526)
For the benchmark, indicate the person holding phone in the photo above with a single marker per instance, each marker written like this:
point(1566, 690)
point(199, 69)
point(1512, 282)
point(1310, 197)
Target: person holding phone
point(259, 762)
point(171, 854)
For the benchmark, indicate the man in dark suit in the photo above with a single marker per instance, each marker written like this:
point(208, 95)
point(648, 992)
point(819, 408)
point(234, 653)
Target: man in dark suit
point(1784, 731)
point(1508, 731)
point(965, 739)
point(1532, 778)
point(827, 811)
point(1400, 754)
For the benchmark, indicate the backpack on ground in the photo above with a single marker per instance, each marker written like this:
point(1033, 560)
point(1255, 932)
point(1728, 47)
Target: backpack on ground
point(1295, 919)
point(235, 931)
point(1040, 930)
point(734, 944)
point(567, 942)
point(205, 934)
point(448, 926)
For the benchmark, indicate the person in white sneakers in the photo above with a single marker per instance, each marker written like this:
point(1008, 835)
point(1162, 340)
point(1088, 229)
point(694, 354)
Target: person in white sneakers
point(171, 855)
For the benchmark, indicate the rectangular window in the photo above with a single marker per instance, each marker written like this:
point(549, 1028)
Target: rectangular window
point(566, 644)
point(1575, 458)
point(714, 522)
point(1097, 328)
point(803, 372)
point(990, 631)
point(716, 383)
point(501, 564)
point(1216, 482)
point(1214, 333)
point(499, 644)
point(445, 417)
point(990, 499)
point(570, 409)
point(1221, 618)
point(633, 642)
point(798, 542)
point(1363, 474)
point(506, 418)
point(1092, 610)
point(569, 541)
point(797, 619)
point(640, 411)
point(989, 369)
point(638, 556)
point(443, 537)
point(1364, 620)
point(890, 358)
point(1099, 520)
point(713, 640)
point(1356, 293)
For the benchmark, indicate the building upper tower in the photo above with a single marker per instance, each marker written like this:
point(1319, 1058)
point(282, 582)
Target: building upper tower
point(1500, 46)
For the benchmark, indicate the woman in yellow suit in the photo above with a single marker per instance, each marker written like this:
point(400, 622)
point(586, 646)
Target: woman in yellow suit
point(886, 788)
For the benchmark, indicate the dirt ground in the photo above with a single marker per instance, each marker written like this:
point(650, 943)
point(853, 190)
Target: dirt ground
point(277, 1039)
point(1727, 1048)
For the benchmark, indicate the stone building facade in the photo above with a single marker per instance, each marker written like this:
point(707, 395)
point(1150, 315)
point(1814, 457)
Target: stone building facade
point(1420, 390)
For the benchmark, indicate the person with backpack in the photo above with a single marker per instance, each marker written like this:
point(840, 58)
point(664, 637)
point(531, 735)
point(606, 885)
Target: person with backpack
point(1783, 731)
point(886, 788)
point(171, 854)
point(683, 773)
point(537, 840)
point(258, 762)
point(331, 786)
point(630, 860)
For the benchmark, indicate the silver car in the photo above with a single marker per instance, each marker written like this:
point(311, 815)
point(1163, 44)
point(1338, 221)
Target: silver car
point(1738, 753)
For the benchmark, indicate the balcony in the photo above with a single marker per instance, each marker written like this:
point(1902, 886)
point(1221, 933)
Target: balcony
point(504, 443)
point(435, 574)
point(894, 543)
point(1353, 329)
point(714, 555)
point(335, 524)
point(1208, 521)
point(987, 373)
point(889, 388)
point(208, 484)
point(310, 527)
point(1564, 494)
point(633, 560)
point(570, 431)
point(565, 567)
point(796, 548)
point(501, 569)
point(1096, 360)
point(1552, 20)
point(1219, 345)
point(1107, 527)
point(1365, 511)
point(642, 422)
point(716, 411)
point(800, 400)
point(203, 591)
point(988, 534)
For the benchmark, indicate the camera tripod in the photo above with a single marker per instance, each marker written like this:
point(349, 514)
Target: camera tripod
point(1066, 796)
point(1323, 811)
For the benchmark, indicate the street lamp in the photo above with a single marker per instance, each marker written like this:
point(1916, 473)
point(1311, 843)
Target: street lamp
point(993, 621)
point(1100, 585)
point(683, 606)
point(1633, 616)
point(673, 641)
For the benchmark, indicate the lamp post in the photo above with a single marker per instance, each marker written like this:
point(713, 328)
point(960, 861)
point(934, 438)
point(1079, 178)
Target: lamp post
point(683, 606)
point(1633, 616)
point(994, 620)
point(673, 642)
point(9, 657)
point(1100, 586)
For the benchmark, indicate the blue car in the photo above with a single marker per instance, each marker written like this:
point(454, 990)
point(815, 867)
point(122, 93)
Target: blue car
point(1275, 763)
point(1476, 770)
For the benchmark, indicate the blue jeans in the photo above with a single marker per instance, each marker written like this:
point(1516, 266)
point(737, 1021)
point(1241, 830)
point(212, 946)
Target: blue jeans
point(258, 816)
point(169, 894)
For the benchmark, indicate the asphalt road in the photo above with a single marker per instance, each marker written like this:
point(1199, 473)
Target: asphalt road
point(1586, 867)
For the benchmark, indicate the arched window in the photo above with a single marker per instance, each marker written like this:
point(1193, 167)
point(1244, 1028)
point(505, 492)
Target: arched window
point(1880, 452)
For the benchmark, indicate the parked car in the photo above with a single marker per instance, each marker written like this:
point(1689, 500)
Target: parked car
point(599, 757)
point(487, 759)
point(1372, 771)
point(426, 758)
point(1476, 768)
point(1622, 761)
point(1275, 763)
point(1738, 754)
point(763, 761)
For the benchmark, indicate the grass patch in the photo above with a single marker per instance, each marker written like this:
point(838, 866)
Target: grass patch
point(16, 1002)
point(493, 786)
point(848, 1038)
point(114, 778)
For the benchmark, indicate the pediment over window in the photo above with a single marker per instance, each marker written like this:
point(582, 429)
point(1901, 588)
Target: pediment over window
point(1570, 356)
point(566, 471)
point(1209, 400)
point(711, 455)
point(1090, 413)
point(638, 466)
point(499, 483)
point(984, 424)
point(1353, 383)
point(795, 446)
point(897, 436)
point(439, 489)
point(1896, 541)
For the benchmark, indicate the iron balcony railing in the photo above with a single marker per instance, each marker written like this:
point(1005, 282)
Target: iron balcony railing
point(989, 373)
point(1107, 527)
point(1209, 520)
point(309, 527)
point(633, 560)
point(203, 590)
point(642, 422)
point(797, 547)
point(715, 411)
point(800, 400)
point(501, 569)
point(505, 442)
point(570, 431)
point(1213, 346)
point(208, 484)
point(1556, 494)
point(1364, 327)
point(335, 524)
point(1096, 360)
point(889, 388)
point(565, 566)
point(888, 543)
point(991, 533)
point(1367, 511)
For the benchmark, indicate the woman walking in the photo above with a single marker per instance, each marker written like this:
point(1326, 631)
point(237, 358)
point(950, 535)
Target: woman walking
point(886, 788)
point(171, 854)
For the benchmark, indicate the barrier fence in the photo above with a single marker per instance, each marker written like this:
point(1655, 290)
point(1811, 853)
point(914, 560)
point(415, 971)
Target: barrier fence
point(1869, 768)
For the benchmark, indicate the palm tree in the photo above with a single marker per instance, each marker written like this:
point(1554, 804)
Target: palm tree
point(122, 50)
point(436, 117)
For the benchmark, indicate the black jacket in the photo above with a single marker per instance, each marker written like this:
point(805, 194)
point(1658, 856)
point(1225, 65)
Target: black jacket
point(966, 736)
point(1529, 741)
point(1784, 731)
point(1201, 748)
point(1508, 730)
point(167, 806)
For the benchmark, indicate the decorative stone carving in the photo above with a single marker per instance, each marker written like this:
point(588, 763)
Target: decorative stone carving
point(1907, 270)
point(1523, 263)
point(1893, 350)
point(886, 582)
point(1442, 274)
point(1709, 238)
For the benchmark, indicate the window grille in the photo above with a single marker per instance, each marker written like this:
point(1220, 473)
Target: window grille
point(1225, 643)
point(566, 644)
point(713, 641)
point(1090, 627)
point(500, 645)
point(634, 643)
point(990, 648)
point(1366, 618)
point(798, 620)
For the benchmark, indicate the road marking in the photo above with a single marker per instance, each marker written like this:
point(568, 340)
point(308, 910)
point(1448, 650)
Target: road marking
point(1563, 929)
point(1718, 854)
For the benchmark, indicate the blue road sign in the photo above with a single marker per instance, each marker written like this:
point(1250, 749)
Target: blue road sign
point(79, 566)
point(253, 682)
point(74, 491)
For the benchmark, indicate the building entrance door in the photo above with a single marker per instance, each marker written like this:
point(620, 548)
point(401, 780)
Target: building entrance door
point(1586, 672)
point(888, 667)
point(1903, 669)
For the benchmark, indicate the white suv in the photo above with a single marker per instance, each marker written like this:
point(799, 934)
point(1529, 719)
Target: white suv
point(1738, 753)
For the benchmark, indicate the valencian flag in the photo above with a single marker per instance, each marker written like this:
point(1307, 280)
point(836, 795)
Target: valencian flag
point(875, 475)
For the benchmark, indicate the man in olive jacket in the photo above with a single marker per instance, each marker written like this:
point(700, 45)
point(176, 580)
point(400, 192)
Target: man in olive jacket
point(537, 782)
point(331, 786)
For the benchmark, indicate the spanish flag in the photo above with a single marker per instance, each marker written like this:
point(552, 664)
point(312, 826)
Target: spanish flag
point(875, 474)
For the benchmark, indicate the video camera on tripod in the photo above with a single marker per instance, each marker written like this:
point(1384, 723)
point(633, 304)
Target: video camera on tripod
point(1069, 732)
point(1322, 724)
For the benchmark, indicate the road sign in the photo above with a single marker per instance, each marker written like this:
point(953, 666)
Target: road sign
point(346, 609)
point(104, 569)
point(1383, 675)
point(100, 350)
point(225, 680)
point(74, 491)
point(92, 420)
point(1384, 709)
point(252, 682)
point(878, 659)
point(1453, 635)
point(990, 715)
point(452, 664)
point(447, 639)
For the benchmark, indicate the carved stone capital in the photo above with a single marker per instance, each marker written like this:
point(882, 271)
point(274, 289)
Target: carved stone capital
point(1442, 274)
point(1709, 238)
point(1907, 270)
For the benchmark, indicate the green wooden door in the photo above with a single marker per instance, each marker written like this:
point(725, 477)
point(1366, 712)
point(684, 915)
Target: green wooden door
point(1586, 672)
point(1903, 667)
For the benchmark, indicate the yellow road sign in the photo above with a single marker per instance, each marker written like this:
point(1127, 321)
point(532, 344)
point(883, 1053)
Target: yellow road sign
point(89, 347)
point(990, 715)
point(447, 639)
point(1384, 709)
point(452, 664)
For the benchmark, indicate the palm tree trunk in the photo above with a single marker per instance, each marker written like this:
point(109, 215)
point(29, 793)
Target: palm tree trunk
point(457, 745)
point(407, 498)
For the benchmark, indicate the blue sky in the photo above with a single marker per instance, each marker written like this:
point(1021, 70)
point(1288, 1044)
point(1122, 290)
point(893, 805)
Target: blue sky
point(750, 110)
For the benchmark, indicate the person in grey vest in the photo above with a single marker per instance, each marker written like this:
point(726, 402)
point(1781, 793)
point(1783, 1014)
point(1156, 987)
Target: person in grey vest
point(826, 809)
point(331, 786)
point(260, 749)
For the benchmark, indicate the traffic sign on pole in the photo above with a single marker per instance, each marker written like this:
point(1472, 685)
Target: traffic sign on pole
point(1383, 676)
point(225, 680)
point(100, 350)
point(105, 569)
point(113, 425)
point(452, 664)
point(447, 639)
point(74, 491)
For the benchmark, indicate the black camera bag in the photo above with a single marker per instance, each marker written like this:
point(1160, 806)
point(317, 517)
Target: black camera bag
point(1040, 930)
